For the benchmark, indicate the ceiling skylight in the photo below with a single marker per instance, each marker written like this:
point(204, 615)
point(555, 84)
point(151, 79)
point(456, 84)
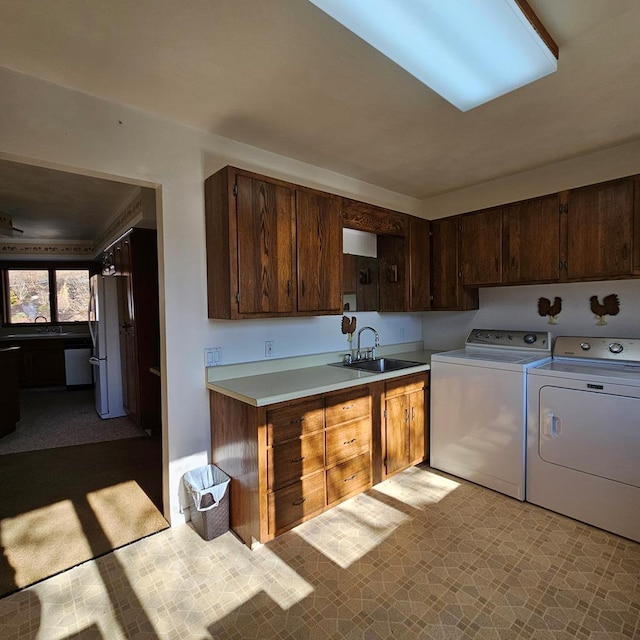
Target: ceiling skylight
point(468, 51)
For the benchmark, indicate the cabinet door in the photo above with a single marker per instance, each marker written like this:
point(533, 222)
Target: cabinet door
point(481, 248)
point(417, 427)
point(447, 292)
point(600, 230)
point(531, 231)
point(264, 214)
point(319, 246)
point(419, 262)
point(397, 433)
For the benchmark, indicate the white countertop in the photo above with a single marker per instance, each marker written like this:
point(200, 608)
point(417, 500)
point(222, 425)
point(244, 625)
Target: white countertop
point(298, 382)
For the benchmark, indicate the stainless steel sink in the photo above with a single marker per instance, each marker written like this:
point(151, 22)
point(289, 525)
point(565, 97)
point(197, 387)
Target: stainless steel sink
point(379, 365)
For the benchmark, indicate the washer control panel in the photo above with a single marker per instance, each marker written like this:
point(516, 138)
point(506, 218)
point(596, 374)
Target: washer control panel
point(608, 349)
point(503, 339)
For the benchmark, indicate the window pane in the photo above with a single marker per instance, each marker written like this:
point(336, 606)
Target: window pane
point(29, 295)
point(72, 294)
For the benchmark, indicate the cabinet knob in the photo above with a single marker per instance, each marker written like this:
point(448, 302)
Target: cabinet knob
point(296, 460)
point(349, 441)
point(297, 503)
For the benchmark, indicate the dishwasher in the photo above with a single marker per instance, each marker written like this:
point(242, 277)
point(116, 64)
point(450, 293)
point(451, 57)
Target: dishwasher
point(78, 371)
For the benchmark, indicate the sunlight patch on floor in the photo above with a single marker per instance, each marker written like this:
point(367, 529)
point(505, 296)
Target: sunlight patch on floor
point(349, 531)
point(24, 536)
point(417, 487)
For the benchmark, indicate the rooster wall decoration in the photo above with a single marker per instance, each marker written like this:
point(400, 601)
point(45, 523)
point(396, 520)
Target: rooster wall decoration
point(610, 307)
point(349, 327)
point(545, 308)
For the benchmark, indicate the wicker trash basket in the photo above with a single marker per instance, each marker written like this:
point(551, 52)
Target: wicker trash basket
point(208, 488)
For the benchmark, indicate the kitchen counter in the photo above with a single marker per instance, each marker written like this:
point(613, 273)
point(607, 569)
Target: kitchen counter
point(282, 383)
point(67, 335)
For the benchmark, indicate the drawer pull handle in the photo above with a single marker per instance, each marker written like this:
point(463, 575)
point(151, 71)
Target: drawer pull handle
point(350, 478)
point(294, 460)
point(349, 441)
point(348, 406)
point(296, 421)
point(297, 503)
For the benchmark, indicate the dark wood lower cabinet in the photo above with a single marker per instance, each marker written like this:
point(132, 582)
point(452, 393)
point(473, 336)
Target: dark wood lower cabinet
point(9, 392)
point(290, 461)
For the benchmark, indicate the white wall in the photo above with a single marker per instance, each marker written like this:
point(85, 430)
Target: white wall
point(52, 126)
point(517, 308)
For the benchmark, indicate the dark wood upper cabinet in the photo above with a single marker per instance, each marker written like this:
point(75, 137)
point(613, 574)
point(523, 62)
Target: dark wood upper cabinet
point(481, 247)
point(264, 213)
point(319, 252)
point(273, 249)
point(447, 292)
point(368, 217)
point(531, 234)
point(602, 228)
point(419, 265)
point(250, 245)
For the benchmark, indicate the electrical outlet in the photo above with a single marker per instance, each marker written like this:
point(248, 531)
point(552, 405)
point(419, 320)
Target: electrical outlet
point(402, 334)
point(268, 349)
point(212, 356)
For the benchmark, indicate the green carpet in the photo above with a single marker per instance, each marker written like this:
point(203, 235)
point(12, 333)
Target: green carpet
point(61, 507)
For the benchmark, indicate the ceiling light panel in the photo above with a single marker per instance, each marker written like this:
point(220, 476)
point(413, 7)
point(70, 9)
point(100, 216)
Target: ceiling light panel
point(468, 51)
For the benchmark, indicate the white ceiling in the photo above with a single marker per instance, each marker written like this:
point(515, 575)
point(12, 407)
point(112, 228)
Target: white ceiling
point(282, 75)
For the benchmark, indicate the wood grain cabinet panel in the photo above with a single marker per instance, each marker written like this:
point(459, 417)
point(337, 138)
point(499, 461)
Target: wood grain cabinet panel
point(294, 420)
point(296, 503)
point(448, 294)
point(273, 248)
point(481, 247)
point(319, 252)
point(405, 440)
point(419, 264)
point(349, 478)
point(348, 440)
point(292, 460)
point(602, 220)
point(531, 232)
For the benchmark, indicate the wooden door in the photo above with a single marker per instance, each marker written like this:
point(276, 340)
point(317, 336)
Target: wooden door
point(600, 230)
point(531, 231)
point(264, 222)
point(419, 265)
point(481, 247)
point(319, 252)
point(396, 433)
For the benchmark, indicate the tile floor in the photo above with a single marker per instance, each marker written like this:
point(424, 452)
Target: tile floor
point(419, 556)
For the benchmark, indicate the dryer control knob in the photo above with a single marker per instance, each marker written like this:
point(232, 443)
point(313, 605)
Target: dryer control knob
point(615, 347)
point(530, 338)
point(585, 346)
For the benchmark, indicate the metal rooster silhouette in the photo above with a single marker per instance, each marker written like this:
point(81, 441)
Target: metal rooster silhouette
point(349, 327)
point(610, 307)
point(545, 308)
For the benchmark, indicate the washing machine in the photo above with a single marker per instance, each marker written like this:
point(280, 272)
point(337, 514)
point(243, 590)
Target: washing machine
point(478, 407)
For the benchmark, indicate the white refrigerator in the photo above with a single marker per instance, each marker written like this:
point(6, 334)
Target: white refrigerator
point(105, 335)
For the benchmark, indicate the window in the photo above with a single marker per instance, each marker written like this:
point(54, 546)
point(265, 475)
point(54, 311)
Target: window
point(46, 295)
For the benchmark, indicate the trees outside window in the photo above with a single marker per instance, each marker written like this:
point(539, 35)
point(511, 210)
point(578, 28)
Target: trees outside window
point(46, 295)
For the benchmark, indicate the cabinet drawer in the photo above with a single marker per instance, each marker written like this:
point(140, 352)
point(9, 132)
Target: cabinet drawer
point(294, 420)
point(405, 384)
point(349, 478)
point(296, 503)
point(348, 440)
point(288, 462)
point(347, 406)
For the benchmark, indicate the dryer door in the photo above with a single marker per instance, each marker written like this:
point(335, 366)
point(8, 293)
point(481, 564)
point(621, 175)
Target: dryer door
point(596, 433)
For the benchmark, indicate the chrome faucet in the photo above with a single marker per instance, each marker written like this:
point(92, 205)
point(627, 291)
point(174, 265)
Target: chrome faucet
point(376, 343)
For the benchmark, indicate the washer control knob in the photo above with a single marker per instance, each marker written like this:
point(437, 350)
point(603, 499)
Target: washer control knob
point(585, 346)
point(615, 347)
point(530, 338)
